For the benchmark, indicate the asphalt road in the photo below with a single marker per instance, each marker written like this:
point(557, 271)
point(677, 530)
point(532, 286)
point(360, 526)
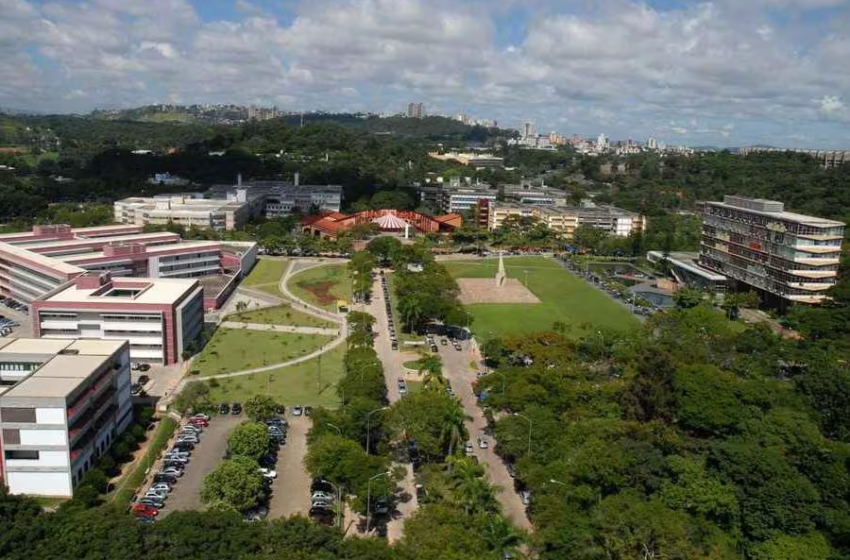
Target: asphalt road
point(186, 494)
point(291, 488)
point(456, 368)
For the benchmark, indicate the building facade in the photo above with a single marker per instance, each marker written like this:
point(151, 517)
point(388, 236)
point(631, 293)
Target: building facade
point(159, 317)
point(565, 220)
point(758, 244)
point(33, 264)
point(62, 404)
point(188, 211)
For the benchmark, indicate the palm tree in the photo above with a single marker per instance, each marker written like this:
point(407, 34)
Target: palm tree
point(432, 365)
point(454, 429)
point(471, 491)
point(501, 536)
point(411, 311)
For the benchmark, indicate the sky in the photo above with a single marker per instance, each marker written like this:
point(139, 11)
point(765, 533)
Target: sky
point(723, 73)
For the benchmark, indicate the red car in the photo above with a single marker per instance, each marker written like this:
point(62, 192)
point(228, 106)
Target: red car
point(145, 510)
point(198, 422)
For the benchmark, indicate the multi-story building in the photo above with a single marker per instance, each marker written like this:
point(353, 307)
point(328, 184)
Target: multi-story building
point(756, 243)
point(62, 403)
point(159, 317)
point(35, 263)
point(565, 220)
point(415, 110)
point(188, 210)
point(476, 160)
point(274, 199)
point(464, 199)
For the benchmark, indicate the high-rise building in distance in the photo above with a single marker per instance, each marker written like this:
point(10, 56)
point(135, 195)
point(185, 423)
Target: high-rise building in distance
point(415, 110)
point(528, 130)
point(755, 242)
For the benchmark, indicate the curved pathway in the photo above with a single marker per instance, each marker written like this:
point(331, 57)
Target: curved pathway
point(279, 328)
point(341, 334)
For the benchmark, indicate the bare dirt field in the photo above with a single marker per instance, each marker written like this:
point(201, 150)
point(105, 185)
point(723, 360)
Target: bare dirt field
point(484, 290)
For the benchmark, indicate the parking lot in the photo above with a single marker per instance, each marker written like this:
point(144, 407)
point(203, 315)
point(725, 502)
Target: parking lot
point(186, 494)
point(14, 320)
point(291, 488)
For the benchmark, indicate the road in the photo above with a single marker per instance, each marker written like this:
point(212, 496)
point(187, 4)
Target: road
point(291, 488)
point(393, 369)
point(456, 368)
point(186, 494)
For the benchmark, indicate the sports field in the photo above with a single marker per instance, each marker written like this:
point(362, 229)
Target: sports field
point(563, 297)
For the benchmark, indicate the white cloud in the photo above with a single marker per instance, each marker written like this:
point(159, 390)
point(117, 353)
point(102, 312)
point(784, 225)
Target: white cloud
point(618, 63)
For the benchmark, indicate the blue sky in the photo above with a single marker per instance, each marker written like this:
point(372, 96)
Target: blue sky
point(726, 72)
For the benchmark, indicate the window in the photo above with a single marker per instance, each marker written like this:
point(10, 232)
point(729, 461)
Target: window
point(9, 414)
point(22, 455)
point(12, 437)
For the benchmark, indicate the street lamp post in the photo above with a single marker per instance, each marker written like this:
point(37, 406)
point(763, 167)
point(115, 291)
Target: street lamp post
point(369, 428)
point(335, 427)
point(338, 490)
point(369, 499)
point(527, 419)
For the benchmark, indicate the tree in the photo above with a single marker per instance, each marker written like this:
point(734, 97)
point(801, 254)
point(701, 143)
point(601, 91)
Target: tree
point(235, 482)
point(688, 297)
point(261, 407)
point(454, 428)
point(589, 238)
point(385, 248)
point(249, 439)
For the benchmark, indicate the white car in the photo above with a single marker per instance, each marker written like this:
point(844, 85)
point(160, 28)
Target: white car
point(268, 473)
point(482, 442)
point(468, 448)
point(157, 493)
point(172, 471)
point(161, 486)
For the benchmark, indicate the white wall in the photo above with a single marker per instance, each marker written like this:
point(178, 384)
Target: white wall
point(43, 437)
point(40, 483)
point(50, 416)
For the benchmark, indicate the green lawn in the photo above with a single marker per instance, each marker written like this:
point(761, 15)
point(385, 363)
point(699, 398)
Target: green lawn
point(280, 315)
point(564, 297)
point(302, 383)
point(238, 349)
point(322, 285)
point(266, 275)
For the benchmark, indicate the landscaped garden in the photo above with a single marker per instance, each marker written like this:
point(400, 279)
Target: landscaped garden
point(280, 315)
point(240, 349)
point(266, 275)
point(564, 298)
point(322, 286)
point(311, 383)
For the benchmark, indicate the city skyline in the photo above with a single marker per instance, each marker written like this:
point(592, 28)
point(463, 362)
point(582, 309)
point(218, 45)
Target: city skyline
point(695, 73)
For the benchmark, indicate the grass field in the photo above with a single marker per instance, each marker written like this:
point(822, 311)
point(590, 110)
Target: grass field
point(322, 285)
point(280, 315)
point(564, 297)
point(239, 349)
point(302, 383)
point(266, 275)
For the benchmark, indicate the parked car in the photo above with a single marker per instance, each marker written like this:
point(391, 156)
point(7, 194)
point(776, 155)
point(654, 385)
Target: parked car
point(257, 513)
point(321, 496)
point(152, 501)
point(467, 448)
point(143, 379)
point(200, 422)
point(236, 409)
point(184, 446)
point(144, 367)
point(167, 478)
point(161, 486)
point(224, 409)
point(525, 496)
point(482, 442)
point(200, 416)
point(145, 509)
point(267, 472)
point(308, 410)
point(173, 464)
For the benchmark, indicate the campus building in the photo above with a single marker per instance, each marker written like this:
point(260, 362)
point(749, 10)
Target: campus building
point(387, 220)
point(62, 404)
point(565, 220)
point(758, 245)
point(274, 199)
point(159, 317)
point(188, 210)
point(35, 263)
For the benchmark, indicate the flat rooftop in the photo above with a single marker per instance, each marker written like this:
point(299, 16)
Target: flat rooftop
point(84, 242)
point(59, 374)
point(19, 253)
point(790, 216)
point(149, 251)
point(153, 291)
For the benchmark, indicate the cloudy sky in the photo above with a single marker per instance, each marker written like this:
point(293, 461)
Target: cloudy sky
point(727, 72)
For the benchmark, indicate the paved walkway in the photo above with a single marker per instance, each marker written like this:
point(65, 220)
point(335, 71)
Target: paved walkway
point(280, 328)
point(342, 335)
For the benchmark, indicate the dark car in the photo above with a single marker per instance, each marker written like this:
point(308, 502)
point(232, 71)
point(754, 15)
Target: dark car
point(224, 409)
point(167, 478)
point(320, 485)
point(381, 506)
point(236, 409)
point(143, 380)
point(144, 367)
point(323, 515)
point(308, 410)
point(184, 446)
